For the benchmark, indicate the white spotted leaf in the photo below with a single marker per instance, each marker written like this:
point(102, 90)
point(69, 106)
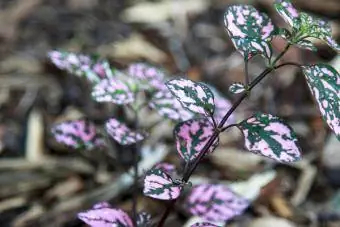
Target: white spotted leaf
point(287, 11)
point(167, 105)
point(269, 136)
point(112, 90)
point(249, 30)
point(105, 216)
point(214, 202)
point(191, 136)
point(121, 133)
point(237, 88)
point(194, 96)
point(324, 82)
point(159, 185)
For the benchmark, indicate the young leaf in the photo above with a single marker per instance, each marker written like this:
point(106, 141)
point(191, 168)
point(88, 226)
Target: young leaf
point(78, 134)
point(203, 224)
point(249, 30)
point(286, 9)
point(237, 88)
point(121, 133)
point(168, 106)
point(215, 202)
point(194, 96)
point(81, 65)
point(153, 76)
point(112, 90)
point(324, 82)
point(305, 25)
point(143, 219)
point(269, 136)
point(159, 185)
point(191, 136)
point(105, 217)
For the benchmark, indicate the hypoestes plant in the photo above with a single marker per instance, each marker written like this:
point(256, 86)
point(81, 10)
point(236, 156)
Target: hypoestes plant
point(201, 113)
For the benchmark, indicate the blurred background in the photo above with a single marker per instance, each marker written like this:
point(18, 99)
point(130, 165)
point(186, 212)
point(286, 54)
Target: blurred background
point(45, 184)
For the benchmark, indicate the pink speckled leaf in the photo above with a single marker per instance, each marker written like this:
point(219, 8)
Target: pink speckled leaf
point(237, 88)
point(149, 76)
point(159, 185)
point(112, 90)
point(81, 65)
point(168, 106)
point(78, 134)
point(193, 96)
point(121, 133)
point(100, 216)
point(324, 82)
point(143, 219)
point(249, 30)
point(287, 11)
point(269, 136)
point(191, 136)
point(204, 224)
point(215, 202)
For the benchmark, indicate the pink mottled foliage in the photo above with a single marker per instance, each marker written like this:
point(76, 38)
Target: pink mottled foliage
point(121, 133)
point(159, 185)
point(78, 134)
point(105, 216)
point(191, 136)
point(215, 202)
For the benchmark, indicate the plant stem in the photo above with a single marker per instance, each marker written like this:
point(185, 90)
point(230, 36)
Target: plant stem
point(205, 149)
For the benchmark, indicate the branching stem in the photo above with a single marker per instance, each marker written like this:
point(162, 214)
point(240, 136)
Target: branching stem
point(189, 171)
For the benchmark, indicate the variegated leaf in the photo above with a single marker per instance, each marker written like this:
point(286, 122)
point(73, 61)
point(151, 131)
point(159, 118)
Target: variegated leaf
point(237, 88)
point(204, 224)
point(151, 76)
point(78, 134)
point(324, 82)
point(100, 216)
point(269, 136)
point(143, 219)
point(159, 185)
point(315, 27)
point(112, 90)
point(215, 202)
point(121, 133)
point(167, 105)
point(250, 47)
point(191, 136)
point(249, 30)
point(306, 26)
point(81, 65)
point(286, 9)
point(194, 96)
